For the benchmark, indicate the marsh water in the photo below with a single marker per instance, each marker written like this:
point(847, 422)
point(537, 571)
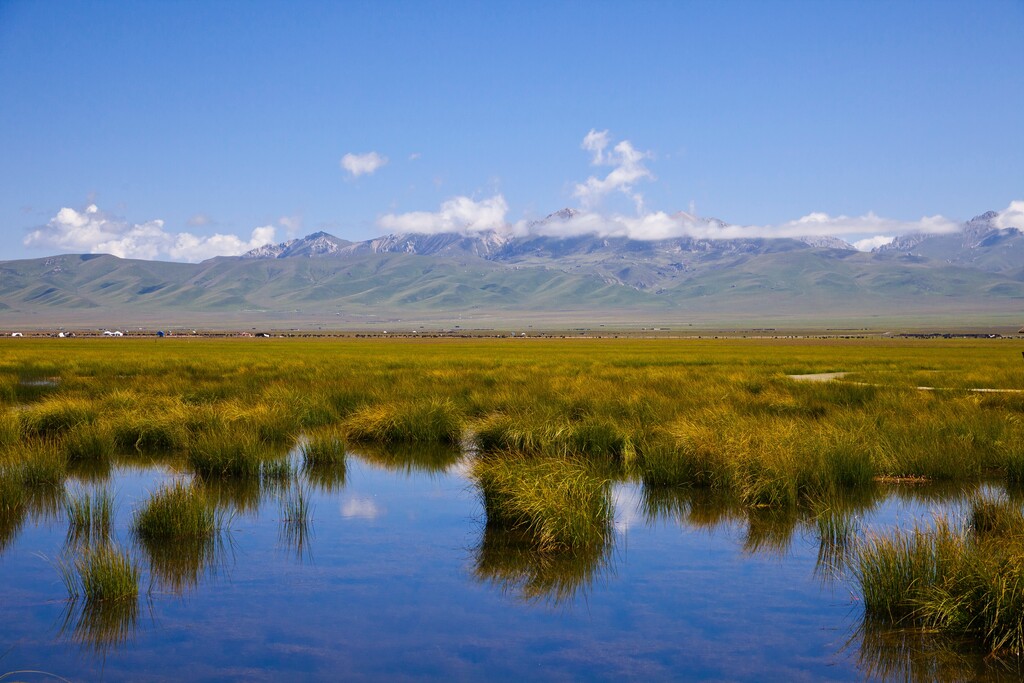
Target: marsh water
point(395, 575)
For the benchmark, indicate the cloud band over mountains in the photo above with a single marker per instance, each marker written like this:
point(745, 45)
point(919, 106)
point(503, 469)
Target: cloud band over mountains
point(92, 231)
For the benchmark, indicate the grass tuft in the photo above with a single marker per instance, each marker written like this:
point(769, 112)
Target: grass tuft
point(559, 503)
point(428, 421)
point(176, 511)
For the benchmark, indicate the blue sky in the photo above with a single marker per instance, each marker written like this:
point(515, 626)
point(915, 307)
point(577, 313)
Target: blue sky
point(174, 130)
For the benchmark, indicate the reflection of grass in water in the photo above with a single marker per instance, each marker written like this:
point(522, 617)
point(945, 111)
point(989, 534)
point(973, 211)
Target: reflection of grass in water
point(509, 560)
point(702, 508)
point(912, 654)
point(90, 518)
point(237, 495)
point(409, 458)
point(295, 508)
point(90, 471)
point(837, 531)
point(12, 514)
point(327, 477)
point(770, 532)
point(177, 565)
point(100, 627)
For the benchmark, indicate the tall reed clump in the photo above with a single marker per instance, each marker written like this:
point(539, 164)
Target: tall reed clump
point(12, 504)
point(966, 582)
point(587, 437)
point(88, 443)
point(42, 465)
point(150, 431)
point(232, 453)
point(10, 428)
point(323, 460)
point(425, 421)
point(558, 503)
point(179, 529)
point(323, 448)
point(174, 512)
point(102, 573)
point(90, 518)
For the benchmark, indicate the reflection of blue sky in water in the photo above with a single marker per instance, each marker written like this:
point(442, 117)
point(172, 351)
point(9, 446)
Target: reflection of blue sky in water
point(387, 589)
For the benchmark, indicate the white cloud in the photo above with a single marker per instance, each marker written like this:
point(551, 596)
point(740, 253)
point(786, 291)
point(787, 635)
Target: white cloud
point(362, 164)
point(291, 224)
point(91, 231)
point(1012, 216)
point(660, 225)
point(189, 247)
point(459, 214)
point(198, 220)
point(869, 243)
point(628, 163)
point(363, 508)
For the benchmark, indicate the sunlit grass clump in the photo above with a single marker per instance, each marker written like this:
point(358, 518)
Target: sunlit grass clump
point(407, 421)
point(323, 448)
point(967, 582)
point(176, 511)
point(102, 573)
point(179, 530)
point(57, 415)
point(233, 453)
point(585, 436)
point(88, 443)
point(149, 431)
point(42, 465)
point(558, 503)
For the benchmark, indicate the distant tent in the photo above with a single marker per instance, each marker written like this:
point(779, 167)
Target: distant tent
point(160, 333)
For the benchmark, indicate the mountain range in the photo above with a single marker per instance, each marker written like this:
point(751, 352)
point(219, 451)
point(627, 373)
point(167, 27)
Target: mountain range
point(976, 272)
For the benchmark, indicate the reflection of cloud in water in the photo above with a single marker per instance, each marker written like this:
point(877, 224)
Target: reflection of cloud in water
point(361, 508)
point(627, 506)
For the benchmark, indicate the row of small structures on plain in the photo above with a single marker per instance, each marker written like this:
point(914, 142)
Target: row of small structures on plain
point(494, 333)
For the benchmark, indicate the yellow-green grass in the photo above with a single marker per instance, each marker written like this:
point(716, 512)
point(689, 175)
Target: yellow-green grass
point(323, 448)
point(708, 413)
point(964, 581)
point(324, 460)
point(176, 511)
point(429, 420)
point(101, 573)
point(557, 503)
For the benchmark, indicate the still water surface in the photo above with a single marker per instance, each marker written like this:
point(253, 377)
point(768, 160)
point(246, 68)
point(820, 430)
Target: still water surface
point(396, 577)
